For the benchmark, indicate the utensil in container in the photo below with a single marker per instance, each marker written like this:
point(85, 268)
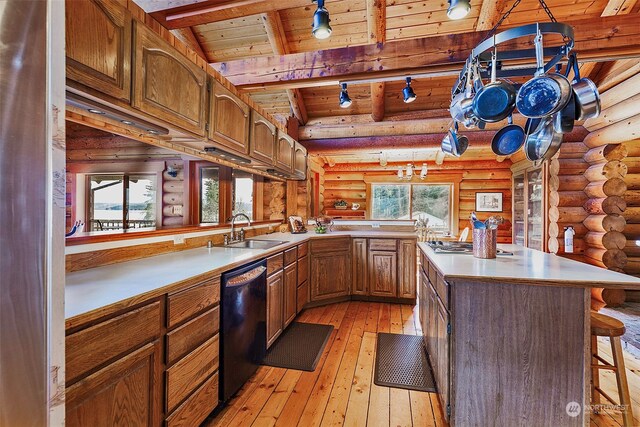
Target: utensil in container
point(544, 94)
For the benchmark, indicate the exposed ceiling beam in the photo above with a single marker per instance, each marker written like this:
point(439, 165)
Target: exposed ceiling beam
point(187, 36)
point(220, 10)
point(278, 41)
point(490, 13)
point(366, 118)
point(618, 7)
point(597, 39)
point(377, 31)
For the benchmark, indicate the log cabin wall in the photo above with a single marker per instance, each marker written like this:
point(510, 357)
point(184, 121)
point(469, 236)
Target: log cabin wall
point(614, 175)
point(349, 182)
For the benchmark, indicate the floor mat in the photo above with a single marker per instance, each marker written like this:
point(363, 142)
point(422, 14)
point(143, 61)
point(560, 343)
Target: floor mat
point(299, 347)
point(401, 362)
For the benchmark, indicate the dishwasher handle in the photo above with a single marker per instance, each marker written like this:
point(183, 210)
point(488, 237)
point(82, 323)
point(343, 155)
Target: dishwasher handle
point(245, 278)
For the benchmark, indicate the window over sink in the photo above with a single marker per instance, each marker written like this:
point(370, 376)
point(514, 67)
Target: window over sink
point(413, 201)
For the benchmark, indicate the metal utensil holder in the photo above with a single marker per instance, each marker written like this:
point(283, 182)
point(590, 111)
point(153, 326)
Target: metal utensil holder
point(485, 241)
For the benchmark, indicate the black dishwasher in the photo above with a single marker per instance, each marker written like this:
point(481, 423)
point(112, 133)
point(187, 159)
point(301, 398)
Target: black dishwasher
point(243, 341)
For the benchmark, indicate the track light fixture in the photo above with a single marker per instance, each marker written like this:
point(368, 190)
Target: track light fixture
point(321, 28)
point(408, 93)
point(345, 101)
point(458, 9)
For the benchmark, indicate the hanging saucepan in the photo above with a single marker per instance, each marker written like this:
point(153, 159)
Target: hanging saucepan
point(508, 140)
point(543, 142)
point(495, 101)
point(544, 94)
point(586, 95)
point(453, 143)
point(564, 119)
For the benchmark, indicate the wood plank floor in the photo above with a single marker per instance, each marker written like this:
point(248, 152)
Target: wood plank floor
point(341, 390)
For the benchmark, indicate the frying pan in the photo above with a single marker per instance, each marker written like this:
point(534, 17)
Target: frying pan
point(495, 101)
point(544, 94)
point(543, 142)
point(563, 120)
point(508, 140)
point(586, 95)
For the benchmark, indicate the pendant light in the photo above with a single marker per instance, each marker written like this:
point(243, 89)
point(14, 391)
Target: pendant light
point(423, 172)
point(408, 94)
point(321, 28)
point(345, 101)
point(458, 9)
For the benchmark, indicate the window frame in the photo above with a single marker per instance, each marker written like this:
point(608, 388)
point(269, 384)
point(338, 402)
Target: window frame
point(453, 197)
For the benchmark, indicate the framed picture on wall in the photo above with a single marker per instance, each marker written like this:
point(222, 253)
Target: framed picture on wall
point(488, 202)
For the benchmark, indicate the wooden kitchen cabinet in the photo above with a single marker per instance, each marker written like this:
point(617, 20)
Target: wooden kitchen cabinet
point(299, 161)
point(290, 296)
point(284, 152)
point(359, 267)
point(442, 369)
point(383, 270)
point(229, 120)
point(127, 392)
point(98, 47)
point(407, 268)
point(262, 139)
point(166, 84)
point(330, 268)
point(275, 293)
point(302, 293)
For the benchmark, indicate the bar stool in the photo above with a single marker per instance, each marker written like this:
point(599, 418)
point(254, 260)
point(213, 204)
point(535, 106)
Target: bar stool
point(606, 326)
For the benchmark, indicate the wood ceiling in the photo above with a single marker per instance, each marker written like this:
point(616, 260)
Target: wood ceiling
point(266, 47)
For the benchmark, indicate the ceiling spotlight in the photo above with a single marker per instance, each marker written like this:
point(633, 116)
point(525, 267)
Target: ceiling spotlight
point(458, 9)
point(423, 171)
point(321, 28)
point(95, 111)
point(345, 101)
point(408, 93)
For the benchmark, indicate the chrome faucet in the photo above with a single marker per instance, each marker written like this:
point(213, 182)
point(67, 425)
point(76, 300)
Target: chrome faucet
point(233, 226)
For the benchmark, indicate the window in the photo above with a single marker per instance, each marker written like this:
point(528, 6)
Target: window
point(243, 193)
point(121, 201)
point(411, 201)
point(210, 195)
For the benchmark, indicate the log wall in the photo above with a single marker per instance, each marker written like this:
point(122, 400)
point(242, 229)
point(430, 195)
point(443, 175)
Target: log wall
point(350, 183)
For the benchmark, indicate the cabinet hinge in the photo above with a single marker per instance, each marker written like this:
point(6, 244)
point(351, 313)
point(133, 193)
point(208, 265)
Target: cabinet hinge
point(206, 127)
point(449, 328)
point(448, 411)
point(208, 86)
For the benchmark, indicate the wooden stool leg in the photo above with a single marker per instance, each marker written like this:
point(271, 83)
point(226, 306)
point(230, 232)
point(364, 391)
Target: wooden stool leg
point(595, 373)
point(621, 377)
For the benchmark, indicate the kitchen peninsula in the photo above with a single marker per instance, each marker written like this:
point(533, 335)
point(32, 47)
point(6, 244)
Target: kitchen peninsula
point(508, 338)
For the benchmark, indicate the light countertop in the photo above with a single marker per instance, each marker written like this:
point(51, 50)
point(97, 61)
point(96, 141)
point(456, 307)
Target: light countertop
point(526, 266)
point(96, 288)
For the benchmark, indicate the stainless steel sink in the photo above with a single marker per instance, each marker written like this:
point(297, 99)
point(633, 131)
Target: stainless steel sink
point(255, 244)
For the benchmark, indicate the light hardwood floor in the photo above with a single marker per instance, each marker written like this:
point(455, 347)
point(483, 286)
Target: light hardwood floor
point(341, 390)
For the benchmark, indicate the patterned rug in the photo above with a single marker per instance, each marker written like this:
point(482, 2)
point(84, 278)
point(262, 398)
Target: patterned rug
point(629, 314)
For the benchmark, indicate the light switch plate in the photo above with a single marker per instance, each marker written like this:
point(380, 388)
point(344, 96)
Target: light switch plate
point(375, 225)
point(178, 239)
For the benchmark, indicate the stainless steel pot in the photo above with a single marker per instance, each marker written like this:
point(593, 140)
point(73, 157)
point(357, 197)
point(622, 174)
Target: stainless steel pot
point(544, 94)
point(543, 142)
point(454, 144)
point(586, 95)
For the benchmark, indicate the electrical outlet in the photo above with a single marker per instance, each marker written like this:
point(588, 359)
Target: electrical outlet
point(177, 210)
point(375, 225)
point(178, 239)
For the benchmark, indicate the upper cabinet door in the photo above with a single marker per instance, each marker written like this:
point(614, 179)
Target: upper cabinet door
point(300, 161)
point(98, 47)
point(166, 84)
point(229, 118)
point(284, 152)
point(262, 139)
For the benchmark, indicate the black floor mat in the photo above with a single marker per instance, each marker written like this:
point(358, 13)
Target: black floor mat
point(401, 362)
point(299, 347)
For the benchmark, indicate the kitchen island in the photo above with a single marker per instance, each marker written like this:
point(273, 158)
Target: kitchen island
point(508, 338)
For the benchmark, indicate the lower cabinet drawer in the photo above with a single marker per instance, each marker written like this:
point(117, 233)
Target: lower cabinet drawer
point(187, 337)
point(275, 263)
point(197, 407)
point(191, 371)
point(189, 302)
point(383, 244)
point(302, 296)
point(93, 346)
